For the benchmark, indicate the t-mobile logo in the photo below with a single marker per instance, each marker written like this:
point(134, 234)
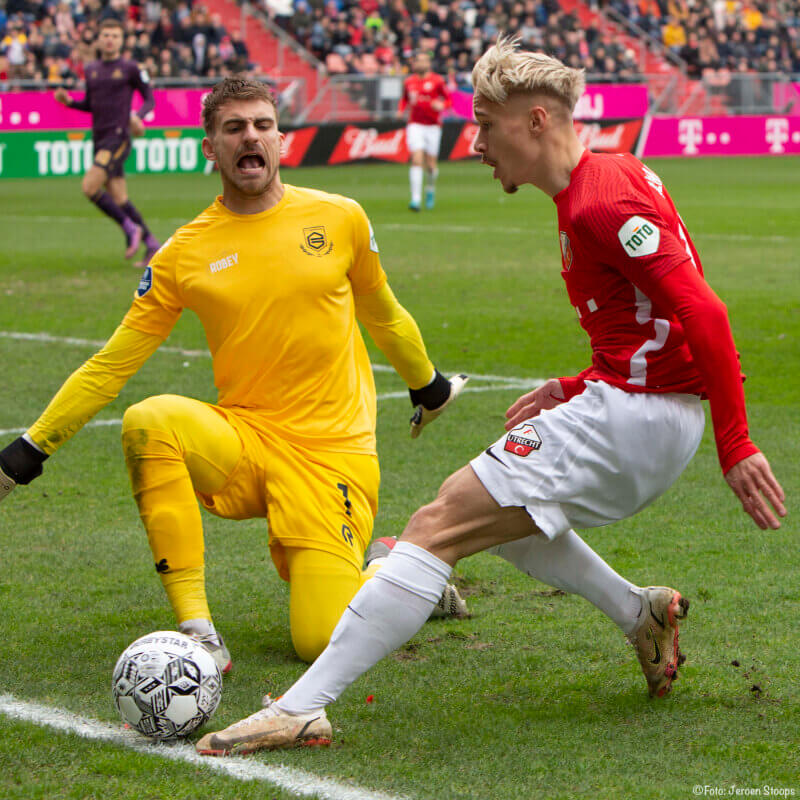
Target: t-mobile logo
point(690, 134)
point(776, 133)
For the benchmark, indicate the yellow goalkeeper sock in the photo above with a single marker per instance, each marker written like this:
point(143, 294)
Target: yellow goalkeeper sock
point(186, 590)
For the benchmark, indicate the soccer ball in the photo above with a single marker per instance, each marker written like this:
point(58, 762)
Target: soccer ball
point(165, 685)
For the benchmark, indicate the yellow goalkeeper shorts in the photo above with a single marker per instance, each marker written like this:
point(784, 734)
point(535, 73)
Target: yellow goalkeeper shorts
point(312, 499)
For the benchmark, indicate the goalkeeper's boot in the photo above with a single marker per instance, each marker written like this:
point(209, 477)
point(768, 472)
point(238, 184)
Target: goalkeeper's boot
point(655, 638)
point(215, 645)
point(451, 603)
point(270, 728)
point(430, 197)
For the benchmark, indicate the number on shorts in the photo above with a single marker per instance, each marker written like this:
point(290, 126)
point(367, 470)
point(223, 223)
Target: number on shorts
point(342, 487)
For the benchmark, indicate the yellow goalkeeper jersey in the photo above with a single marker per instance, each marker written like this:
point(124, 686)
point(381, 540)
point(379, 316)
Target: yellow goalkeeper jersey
point(275, 294)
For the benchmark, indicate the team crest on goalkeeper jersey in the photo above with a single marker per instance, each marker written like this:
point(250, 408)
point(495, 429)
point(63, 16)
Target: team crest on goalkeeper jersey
point(315, 241)
point(522, 440)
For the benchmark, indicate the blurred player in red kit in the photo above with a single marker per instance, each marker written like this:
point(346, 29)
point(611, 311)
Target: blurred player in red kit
point(110, 84)
point(425, 97)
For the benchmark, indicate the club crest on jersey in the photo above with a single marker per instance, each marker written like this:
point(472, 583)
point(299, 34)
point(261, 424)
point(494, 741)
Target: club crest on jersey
point(145, 282)
point(117, 73)
point(639, 237)
point(522, 440)
point(566, 250)
point(316, 241)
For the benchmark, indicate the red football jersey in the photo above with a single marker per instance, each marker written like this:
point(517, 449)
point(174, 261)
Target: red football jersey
point(420, 92)
point(621, 236)
point(620, 233)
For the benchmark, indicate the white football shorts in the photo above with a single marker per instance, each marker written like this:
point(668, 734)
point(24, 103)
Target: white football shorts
point(596, 459)
point(423, 137)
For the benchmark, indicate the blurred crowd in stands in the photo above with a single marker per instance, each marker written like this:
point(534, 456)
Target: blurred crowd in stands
point(378, 36)
point(51, 40)
point(722, 35)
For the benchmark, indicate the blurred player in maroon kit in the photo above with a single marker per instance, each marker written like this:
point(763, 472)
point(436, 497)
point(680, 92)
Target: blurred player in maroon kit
point(110, 84)
point(426, 96)
point(578, 452)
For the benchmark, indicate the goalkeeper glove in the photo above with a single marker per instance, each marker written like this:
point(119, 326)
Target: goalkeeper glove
point(433, 399)
point(20, 462)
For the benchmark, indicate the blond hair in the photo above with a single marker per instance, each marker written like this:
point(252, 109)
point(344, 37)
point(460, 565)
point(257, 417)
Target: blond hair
point(504, 69)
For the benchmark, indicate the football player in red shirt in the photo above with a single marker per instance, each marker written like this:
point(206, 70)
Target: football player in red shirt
point(580, 451)
point(425, 97)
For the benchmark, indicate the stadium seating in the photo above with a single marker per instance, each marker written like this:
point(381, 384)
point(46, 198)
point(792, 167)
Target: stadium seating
point(302, 42)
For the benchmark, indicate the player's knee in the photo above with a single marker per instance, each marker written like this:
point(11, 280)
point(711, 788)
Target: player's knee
point(90, 187)
point(151, 414)
point(144, 414)
point(309, 641)
point(119, 196)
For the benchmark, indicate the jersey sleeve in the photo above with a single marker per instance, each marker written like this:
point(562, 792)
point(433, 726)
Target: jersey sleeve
point(156, 301)
point(632, 236)
point(403, 104)
point(84, 104)
point(141, 82)
point(366, 273)
point(396, 333)
point(92, 387)
point(705, 324)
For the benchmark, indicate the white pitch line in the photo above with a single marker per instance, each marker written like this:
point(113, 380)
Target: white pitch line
point(532, 383)
point(304, 784)
point(98, 343)
point(413, 227)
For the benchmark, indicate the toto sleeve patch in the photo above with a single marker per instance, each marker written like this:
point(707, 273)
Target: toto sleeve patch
point(639, 237)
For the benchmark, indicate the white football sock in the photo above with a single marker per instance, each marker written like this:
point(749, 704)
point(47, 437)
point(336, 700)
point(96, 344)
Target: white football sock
point(432, 175)
point(385, 613)
point(415, 178)
point(568, 563)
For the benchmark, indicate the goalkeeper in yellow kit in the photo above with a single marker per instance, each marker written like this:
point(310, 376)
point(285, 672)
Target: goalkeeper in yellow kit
point(278, 276)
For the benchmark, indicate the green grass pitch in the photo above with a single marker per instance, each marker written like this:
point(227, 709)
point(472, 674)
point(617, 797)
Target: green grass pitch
point(537, 694)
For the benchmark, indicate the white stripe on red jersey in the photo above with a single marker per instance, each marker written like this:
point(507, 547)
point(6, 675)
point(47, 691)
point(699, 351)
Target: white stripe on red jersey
point(620, 233)
point(635, 279)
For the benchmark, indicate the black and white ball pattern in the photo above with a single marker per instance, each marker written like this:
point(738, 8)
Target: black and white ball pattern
point(166, 685)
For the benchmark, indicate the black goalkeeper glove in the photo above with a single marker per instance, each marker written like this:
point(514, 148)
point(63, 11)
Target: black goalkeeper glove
point(20, 462)
point(433, 399)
